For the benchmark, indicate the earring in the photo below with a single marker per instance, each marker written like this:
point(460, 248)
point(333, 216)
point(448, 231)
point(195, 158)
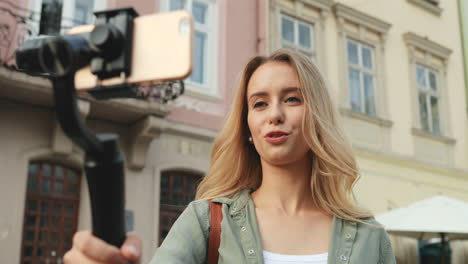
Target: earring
point(250, 140)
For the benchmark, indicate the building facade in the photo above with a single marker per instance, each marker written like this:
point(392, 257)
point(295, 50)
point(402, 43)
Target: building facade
point(394, 68)
point(396, 72)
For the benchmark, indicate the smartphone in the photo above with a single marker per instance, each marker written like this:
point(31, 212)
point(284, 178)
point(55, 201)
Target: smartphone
point(161, 51)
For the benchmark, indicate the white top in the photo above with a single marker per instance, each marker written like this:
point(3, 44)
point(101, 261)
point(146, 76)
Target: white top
point(274, 258)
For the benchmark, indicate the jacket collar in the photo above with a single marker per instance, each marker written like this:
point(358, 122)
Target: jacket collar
point(237, 202)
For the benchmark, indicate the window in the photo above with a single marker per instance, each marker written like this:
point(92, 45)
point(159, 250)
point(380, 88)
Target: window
point(52, 17)
point(300, 25)
point(362, 74)
point(177, 191)
point(83, 12)
point(361, 77)
point(428, 99)
point(428, 62)
point(203, 15)
point(297, 35)
point(51, 14)
point(50, 212)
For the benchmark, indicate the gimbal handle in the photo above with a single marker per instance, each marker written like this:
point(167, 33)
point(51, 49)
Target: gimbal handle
point(104, 164)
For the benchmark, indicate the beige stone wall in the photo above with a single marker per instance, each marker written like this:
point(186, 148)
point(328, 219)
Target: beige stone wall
point(29, 140)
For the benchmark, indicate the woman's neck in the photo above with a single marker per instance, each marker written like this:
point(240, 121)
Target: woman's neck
point(285, 189)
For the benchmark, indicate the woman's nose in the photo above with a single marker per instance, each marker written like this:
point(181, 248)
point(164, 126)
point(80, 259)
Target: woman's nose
point(276, 114)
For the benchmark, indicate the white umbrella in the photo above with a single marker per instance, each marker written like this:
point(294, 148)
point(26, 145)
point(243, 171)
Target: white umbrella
point(429, 219)
point(438, 216)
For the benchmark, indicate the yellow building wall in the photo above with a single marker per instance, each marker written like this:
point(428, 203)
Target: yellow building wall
point(398, 177)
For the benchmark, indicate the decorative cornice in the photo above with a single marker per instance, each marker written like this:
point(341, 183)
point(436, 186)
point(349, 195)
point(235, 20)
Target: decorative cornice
point(357, 17)
point(320, 4)
point(424, 43)
point(38, 91)
point(432, 8)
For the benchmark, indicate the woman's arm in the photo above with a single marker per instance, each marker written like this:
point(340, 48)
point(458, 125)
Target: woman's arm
point(186, 242)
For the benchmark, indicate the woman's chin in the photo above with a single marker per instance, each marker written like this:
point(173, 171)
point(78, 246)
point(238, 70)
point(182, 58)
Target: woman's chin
point(281, 159)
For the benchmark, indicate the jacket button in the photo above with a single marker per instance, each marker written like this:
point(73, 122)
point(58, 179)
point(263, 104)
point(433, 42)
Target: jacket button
point(251, 251)
point(343, 258)
point(348, 235)
point(243, 228)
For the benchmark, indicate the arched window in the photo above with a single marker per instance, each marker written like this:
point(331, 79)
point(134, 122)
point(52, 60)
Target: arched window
point(177, 191)
point(50, 212)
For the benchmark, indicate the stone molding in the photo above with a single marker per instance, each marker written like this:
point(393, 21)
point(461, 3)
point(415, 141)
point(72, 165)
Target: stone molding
point(372, 119)
point(143, 132)
point(441, 139)
point(344, 12)
point(432, 8)
point(427, 45)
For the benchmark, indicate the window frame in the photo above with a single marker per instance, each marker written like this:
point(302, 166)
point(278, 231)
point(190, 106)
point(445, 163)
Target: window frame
point(50, 200)
point(424, 52)
point(314, 13)
point(369, 31)
point(68, 13)
point(428, 93)
point(362, 70)
point(171, 210)
point(295, 44)
point(208, 89)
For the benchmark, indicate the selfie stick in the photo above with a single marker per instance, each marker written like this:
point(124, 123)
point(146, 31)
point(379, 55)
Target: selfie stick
point(108, 50)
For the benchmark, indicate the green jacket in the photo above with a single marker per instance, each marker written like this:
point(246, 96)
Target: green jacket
point(186, 242)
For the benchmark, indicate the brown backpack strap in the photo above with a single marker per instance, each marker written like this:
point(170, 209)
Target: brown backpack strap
point(216, 216)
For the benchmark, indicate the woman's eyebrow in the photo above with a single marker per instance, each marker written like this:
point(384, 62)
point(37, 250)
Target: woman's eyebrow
point(257, 94)
point(290, 89)
point(283, 91)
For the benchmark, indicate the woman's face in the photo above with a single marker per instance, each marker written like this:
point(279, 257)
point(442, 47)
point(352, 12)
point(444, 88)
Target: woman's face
point(275, 113)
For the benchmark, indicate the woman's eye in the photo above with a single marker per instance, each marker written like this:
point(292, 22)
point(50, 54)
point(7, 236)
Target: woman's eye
point(293, 99)
point(259, 104)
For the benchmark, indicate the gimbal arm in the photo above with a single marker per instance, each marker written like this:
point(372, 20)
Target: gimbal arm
point(104, 164)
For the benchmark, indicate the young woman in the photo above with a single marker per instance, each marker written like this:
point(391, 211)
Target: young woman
point(283, 172)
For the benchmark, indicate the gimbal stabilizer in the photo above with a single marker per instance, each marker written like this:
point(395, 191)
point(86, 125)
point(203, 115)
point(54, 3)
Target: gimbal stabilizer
point(107, 48)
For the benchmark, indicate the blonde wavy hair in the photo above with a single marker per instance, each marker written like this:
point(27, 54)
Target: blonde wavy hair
point(235, 164)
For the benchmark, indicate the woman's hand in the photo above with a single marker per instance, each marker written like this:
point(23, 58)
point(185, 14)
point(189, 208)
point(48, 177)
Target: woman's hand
point(88, 249)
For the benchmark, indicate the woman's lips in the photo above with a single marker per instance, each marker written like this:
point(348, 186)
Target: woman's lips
point(276, 136)
point(276, 140)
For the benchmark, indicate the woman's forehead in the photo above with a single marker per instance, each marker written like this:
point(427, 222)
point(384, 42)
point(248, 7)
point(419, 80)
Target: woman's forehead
point(271, 77)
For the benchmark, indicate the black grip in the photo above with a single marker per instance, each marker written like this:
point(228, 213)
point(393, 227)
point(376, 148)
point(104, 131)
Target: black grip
point(106, 183)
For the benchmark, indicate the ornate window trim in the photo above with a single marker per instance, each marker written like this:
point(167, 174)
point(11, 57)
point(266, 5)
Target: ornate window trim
point(365, 25)
point(360, 27)
point(431, 52)
point(313, 12)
